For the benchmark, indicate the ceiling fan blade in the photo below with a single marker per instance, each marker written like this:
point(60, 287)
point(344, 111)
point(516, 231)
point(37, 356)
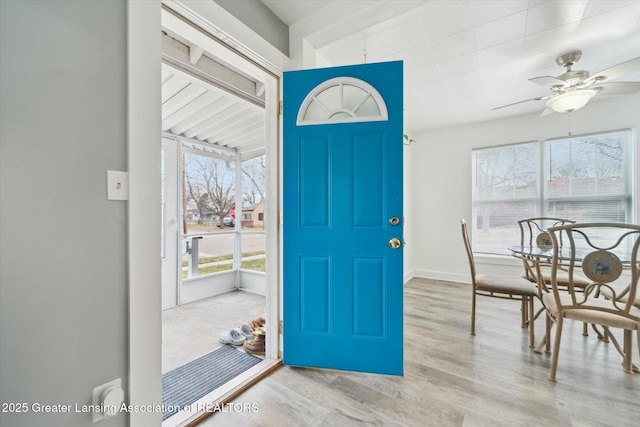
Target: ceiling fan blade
point(547, 81)
point(616, 71)
point(617, 88)
point(547, 111)
point(537, 98)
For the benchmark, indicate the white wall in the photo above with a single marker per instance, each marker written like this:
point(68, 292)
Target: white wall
point(261, 19)
point(63, 245)
point(410, 238)
point(441, 179)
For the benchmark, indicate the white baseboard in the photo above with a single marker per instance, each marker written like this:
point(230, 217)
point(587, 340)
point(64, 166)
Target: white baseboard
point(409, 275)
point(441, 275)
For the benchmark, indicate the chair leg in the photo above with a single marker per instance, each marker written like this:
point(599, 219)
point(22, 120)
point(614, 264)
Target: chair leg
point(523, 312)
point(585, 329)
point(638, 341)
point(473, 313)
point(556, 349)
point(548, 336)
point(601, 336)
point(627, 351)
point(532, 338)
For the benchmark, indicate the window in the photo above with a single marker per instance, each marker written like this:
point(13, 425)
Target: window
point(209, 186)
point(585, 178)
point(342, 100)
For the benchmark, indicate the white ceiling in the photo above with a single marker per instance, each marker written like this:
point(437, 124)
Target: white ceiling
point(462, 58)
point(207, 106)
point(198, 113)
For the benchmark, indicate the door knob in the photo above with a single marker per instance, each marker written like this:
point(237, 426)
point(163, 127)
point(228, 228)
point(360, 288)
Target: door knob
point(395, 243)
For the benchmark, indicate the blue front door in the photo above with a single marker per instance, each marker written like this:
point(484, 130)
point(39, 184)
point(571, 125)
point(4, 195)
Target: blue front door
point(343, 278)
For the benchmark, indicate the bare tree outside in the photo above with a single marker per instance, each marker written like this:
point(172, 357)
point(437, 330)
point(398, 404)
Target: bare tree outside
point(254, 173)
point(589, 157)
point(208, 187)
point(504, 175)
point(209, 196)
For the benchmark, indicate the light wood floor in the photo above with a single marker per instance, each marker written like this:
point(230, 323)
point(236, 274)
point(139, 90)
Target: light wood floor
point(452, 378)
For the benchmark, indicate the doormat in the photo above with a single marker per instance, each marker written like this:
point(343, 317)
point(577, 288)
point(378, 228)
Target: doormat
point(188, 383)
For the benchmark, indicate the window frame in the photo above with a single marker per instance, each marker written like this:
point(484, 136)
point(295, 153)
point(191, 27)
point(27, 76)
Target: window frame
point(354, 116)
point(544, 199)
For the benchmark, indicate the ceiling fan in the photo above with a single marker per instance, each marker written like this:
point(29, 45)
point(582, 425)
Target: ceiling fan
point(574, 88)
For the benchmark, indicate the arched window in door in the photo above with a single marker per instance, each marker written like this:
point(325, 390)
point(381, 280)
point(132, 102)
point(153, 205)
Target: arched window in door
point(342, 100)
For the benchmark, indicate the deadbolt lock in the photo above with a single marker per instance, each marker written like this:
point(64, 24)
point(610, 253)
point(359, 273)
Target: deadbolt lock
point(394, 220)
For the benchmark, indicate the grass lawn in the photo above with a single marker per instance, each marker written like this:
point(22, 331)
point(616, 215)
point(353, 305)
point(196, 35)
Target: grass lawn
point(251, 264)
point(207, 260)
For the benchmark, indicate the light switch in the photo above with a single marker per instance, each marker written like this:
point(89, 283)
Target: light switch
point(117, 185)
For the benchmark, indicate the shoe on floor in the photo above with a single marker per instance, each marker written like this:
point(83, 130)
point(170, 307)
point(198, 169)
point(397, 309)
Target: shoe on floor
point(247, 331)
point(257, 323)
point(256, 345)
point(233, 337)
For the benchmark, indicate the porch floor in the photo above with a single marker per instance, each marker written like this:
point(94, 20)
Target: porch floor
point(192, 330)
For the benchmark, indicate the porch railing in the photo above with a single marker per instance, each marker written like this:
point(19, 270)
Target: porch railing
point(237, 248)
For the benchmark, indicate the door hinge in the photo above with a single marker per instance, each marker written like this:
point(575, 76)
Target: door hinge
point(280, 327)
point(281, 219)
point(280, 107)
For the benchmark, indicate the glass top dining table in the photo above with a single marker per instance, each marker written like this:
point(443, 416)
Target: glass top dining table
point(564, 254)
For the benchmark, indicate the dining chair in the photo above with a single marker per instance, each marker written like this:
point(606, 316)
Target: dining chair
point(533, 232)
point(505, 287)
point(622, 296)
point(600, 251)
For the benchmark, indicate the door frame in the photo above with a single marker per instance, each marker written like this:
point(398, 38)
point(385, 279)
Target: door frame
point(145, 21)
point(171, 226)
point(190, 31)
point(183, 26)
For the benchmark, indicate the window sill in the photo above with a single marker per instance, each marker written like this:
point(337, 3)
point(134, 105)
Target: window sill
point(505, 260)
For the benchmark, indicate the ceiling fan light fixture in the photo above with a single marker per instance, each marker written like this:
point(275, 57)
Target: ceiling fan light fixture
point(571, 101)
